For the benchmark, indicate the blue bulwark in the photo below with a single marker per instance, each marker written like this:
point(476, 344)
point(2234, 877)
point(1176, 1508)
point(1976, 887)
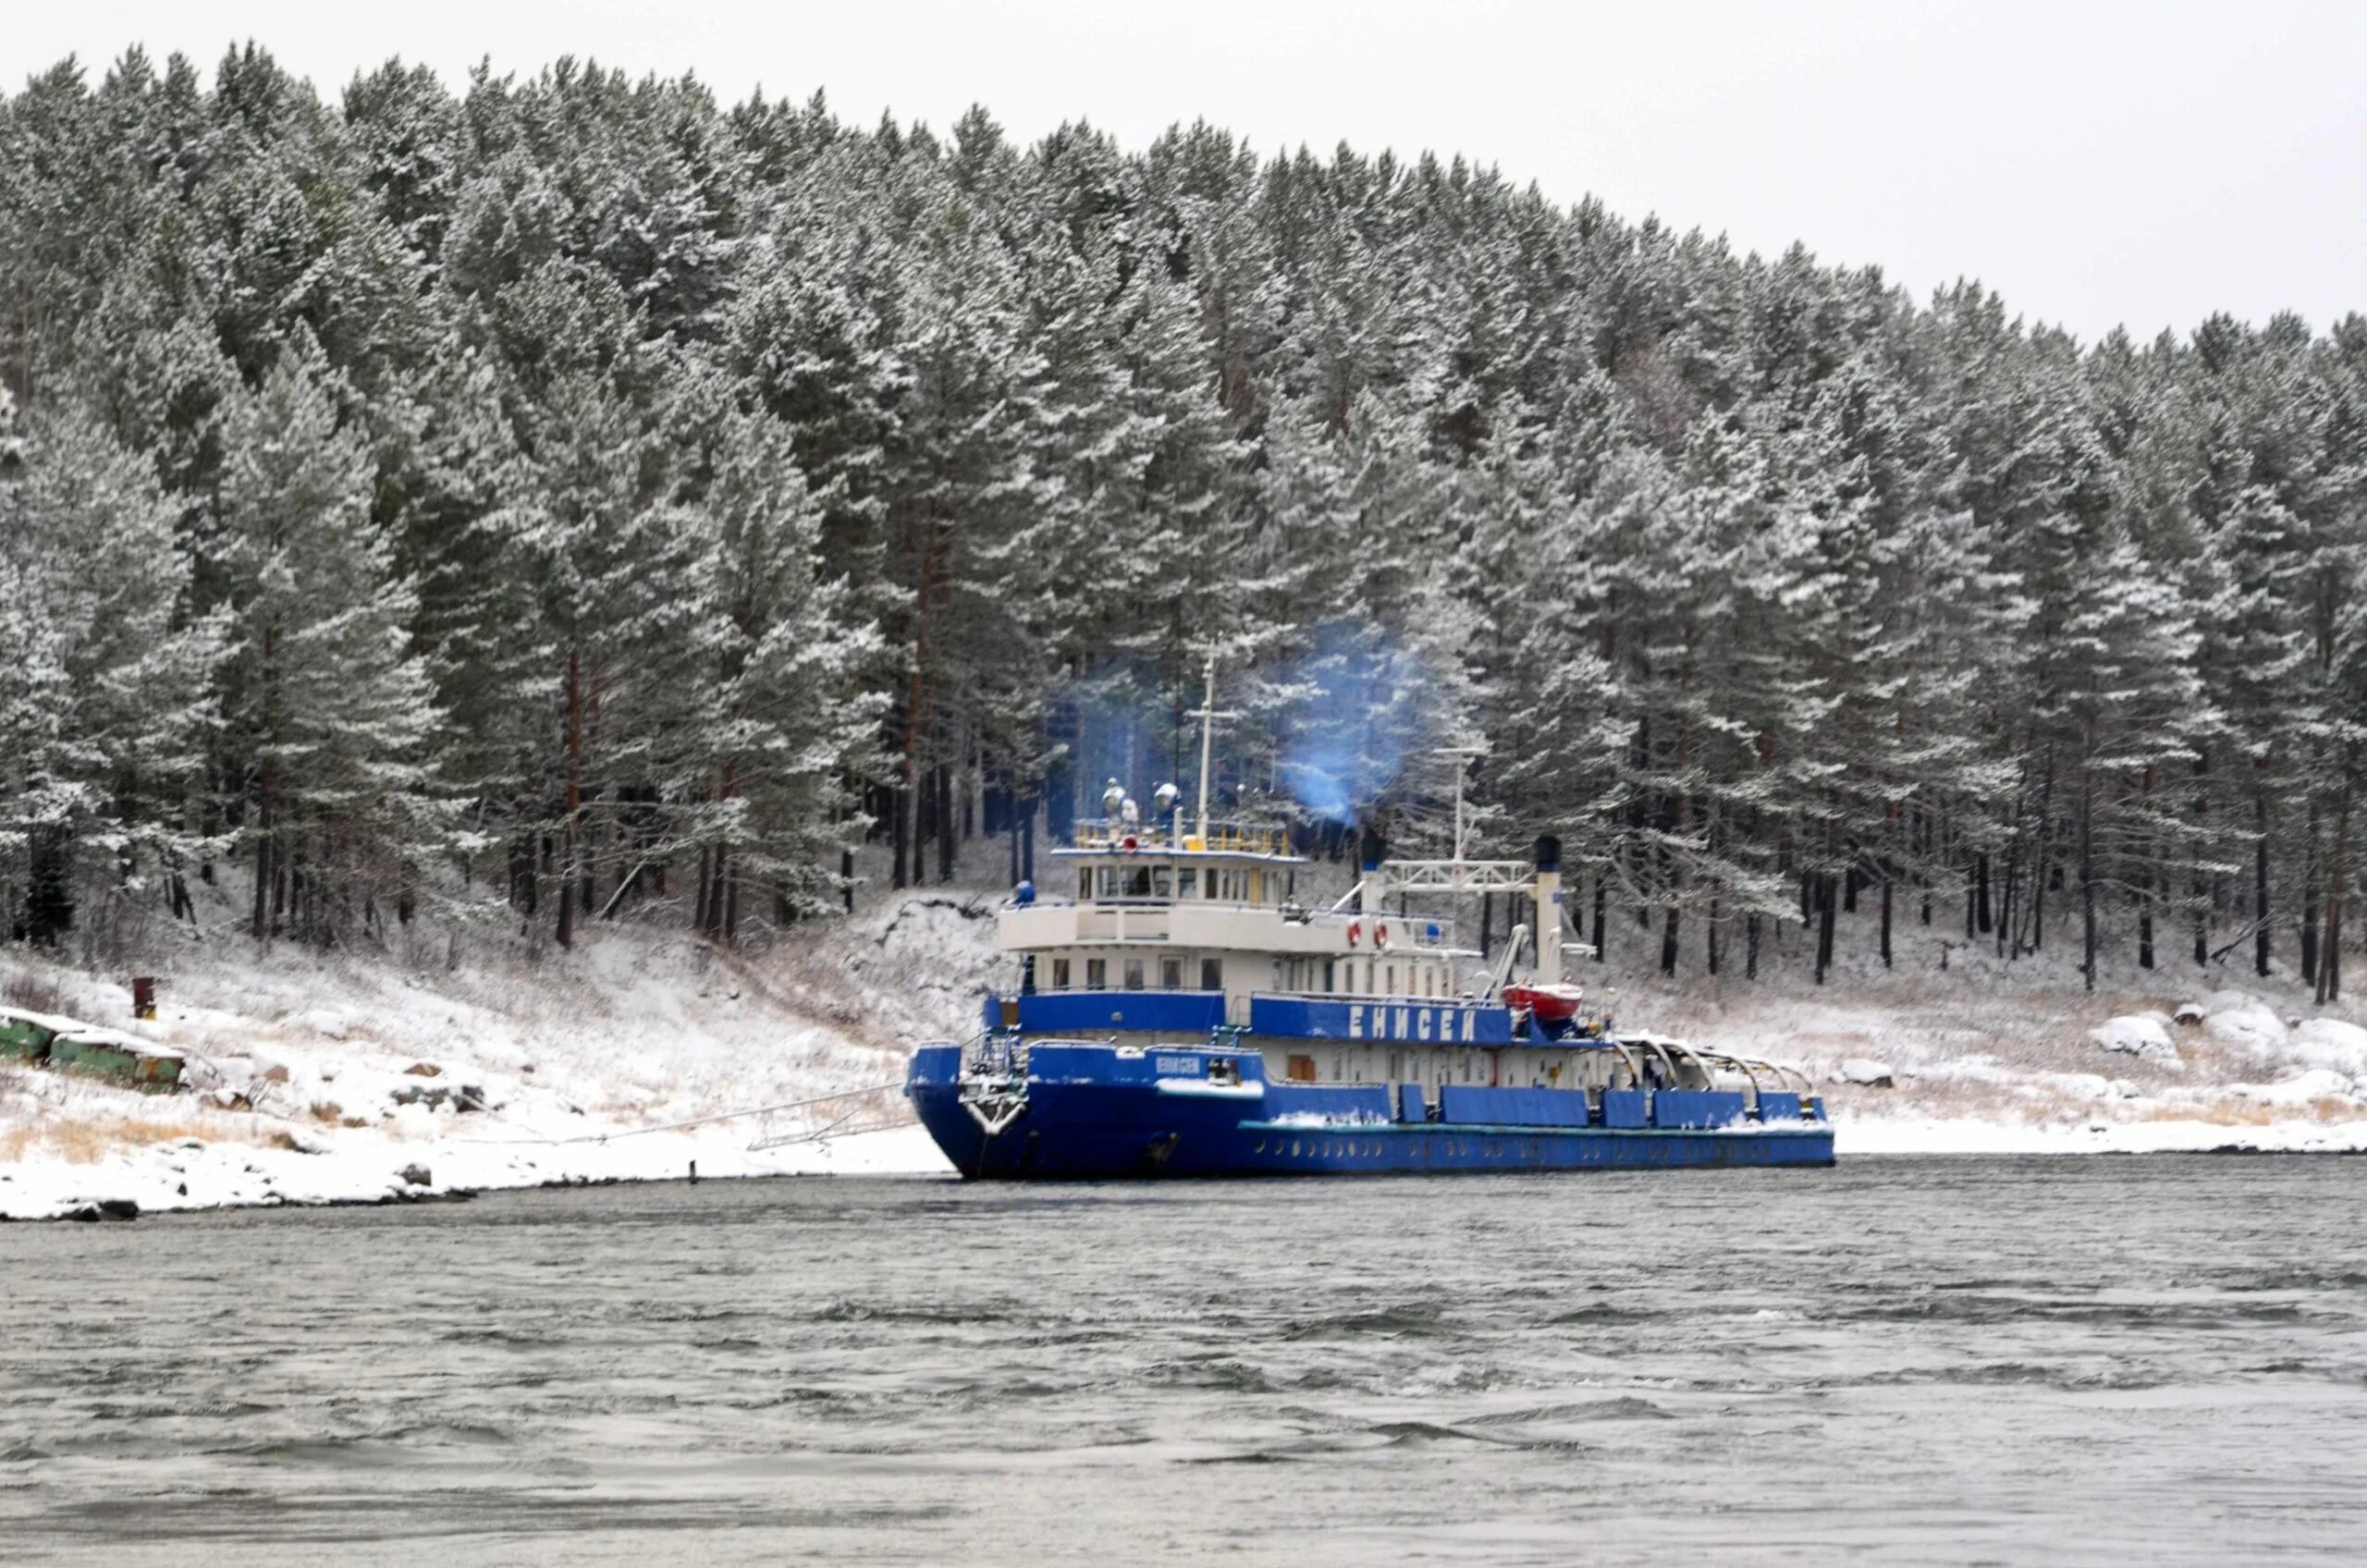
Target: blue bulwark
point(1095, 1013)
point(1624, 1107)
point(1417, 1023)
point(1774, 1107)
point(1410, 1105)
point(1512, 1108)
point(1697, 1108)
point(1361, 1104)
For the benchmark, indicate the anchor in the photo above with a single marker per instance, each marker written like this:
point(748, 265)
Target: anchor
point(996, 1111)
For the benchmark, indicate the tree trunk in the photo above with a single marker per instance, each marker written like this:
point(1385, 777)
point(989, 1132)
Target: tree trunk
point(1010, 821)
point(2260, 882)
point(947, 841)
point(573, 825)
point(1887, 887)
point(2145, 853)
point(267, 786)
point(2200, 888)
point(900, 832)
point(1826, 898)
point(2339, 878)
point(2309, 869)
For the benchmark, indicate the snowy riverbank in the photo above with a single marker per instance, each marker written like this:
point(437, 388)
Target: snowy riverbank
point(314, 1080)
point(474, 1065)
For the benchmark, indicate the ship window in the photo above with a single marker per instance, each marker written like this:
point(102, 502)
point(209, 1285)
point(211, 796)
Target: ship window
point(1138, 882)
point(1212, 975)
point(1133, 975)
point(1170, 973)
point(1302, 1071)
point(1097, 974)
point(1328, 967)
point(1059, 974)
point(1108, 880)
point(1084, 884)
point(1257, 886)
point(1391, 975)
point(1159, 878)
point(1188, 883)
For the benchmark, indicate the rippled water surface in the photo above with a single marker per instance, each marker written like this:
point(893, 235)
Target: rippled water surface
point(1955, 1360)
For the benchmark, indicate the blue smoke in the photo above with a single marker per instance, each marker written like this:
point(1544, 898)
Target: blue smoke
point(1347, 741)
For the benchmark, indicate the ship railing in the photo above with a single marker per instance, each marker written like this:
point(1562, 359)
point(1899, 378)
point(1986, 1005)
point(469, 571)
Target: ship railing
point(1382, 999)
point(1222, 838)
point(1173, 901)
point(994, 1056)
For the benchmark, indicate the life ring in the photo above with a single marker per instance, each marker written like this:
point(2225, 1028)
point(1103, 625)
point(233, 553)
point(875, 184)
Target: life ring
point(1381, 934)
point(1355, 932)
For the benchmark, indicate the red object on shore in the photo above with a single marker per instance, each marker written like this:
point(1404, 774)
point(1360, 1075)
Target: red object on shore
point(1547, 1004)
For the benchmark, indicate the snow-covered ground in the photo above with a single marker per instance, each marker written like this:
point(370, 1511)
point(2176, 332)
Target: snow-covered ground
point(1952, 1049)
point(318, 1079)
point(477, 1062)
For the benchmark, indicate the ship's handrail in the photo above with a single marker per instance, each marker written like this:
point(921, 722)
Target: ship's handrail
point(1392, 998)
point(1131, 901)
point(1101, 833)
point(1419, 925)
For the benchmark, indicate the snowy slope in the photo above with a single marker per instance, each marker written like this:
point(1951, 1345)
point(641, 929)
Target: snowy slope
point(1954, 1049)
point(517, 1070)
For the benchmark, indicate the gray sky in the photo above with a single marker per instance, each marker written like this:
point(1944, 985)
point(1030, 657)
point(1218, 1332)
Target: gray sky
point(2140, 163)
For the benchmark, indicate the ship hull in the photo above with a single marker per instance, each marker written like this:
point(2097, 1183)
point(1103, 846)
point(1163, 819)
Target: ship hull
point(1087, 1115)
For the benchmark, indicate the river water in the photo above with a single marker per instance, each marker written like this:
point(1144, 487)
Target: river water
point(2154, 1360)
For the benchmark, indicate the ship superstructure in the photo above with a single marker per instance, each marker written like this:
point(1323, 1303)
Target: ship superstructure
point(1184, 1009)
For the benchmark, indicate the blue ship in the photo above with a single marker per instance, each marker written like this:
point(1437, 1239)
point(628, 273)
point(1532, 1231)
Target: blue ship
point(1181, 1012)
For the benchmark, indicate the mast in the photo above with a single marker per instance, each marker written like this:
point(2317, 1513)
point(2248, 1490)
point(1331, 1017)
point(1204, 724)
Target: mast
point(1207, 714)
point(1463, 755)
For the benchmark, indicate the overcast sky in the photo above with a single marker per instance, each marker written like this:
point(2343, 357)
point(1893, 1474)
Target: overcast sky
point(2141, 163)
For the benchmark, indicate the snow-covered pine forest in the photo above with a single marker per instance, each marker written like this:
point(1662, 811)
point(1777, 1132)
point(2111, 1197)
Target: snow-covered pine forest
point(581, 497)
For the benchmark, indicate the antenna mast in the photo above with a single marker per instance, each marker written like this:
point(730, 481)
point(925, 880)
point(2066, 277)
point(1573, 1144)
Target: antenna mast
point(1462, 767)
point(1207, 714)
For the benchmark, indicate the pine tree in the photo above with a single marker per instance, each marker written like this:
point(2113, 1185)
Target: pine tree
point(110, 698)
point(326, 696)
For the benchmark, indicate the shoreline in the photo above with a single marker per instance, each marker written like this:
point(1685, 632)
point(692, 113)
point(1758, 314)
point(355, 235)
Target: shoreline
point(68, 1192)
